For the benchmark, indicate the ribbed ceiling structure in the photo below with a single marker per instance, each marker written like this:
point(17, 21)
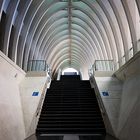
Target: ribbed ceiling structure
point(69, 33)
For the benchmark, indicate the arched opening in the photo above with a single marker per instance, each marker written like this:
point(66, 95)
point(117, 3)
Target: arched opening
point(70, 71)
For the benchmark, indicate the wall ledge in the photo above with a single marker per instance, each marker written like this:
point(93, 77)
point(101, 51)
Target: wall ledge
point(8, 60)
point(103, 73)
point(36, 73)
point(130, 68)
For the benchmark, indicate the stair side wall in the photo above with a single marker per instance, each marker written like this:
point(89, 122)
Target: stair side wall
point(32, 104)
point(11, 116)
point(129, 119)
point(111, 102)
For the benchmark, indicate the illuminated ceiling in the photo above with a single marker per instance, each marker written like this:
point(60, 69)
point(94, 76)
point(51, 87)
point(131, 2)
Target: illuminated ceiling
point(71, 33)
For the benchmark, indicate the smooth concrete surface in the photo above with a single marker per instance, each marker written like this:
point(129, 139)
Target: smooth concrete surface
point(36, 74)
point(103, 73)
point(111, 103)
point(122, 105)
point(40, 74)
point(32, 104)
point(84, 73)
point(59, 74)
point(129, 119)
point(11, 116)
point(113, 100)
point(130, 69)
point(107, 122)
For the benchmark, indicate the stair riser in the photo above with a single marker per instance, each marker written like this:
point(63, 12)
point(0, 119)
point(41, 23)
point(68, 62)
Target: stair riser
point(70, 107)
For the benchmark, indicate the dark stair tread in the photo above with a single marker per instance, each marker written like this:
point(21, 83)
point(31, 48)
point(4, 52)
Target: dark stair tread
point(66, 109)
point(75, 128)
point(71, 121)
point(71, 130)
point(69, 114)
point(65, 103)
point(70, 107)
point(71, 118)
point(70, 104)
point(65, 125)
point(80, 112)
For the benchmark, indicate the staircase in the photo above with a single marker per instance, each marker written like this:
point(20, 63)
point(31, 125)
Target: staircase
point(70, 107)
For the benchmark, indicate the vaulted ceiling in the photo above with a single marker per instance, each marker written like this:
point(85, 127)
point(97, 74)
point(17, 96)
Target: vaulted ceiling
point(69, 33)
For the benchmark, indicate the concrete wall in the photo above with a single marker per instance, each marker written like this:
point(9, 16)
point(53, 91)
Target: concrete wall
point(34, 82)
point(59, 74)
point(11, 115)
point(129, 119)
point(19, 109)
point(106, 83)
point(84, 73)
point(123, 103)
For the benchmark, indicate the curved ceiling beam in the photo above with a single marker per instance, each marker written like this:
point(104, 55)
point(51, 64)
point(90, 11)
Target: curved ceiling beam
point(48, 10)
point(47, 30)
point(105, 23)
point(80, 15)
point(58, 26)
point(2, 3)
point(50, 37)
point(66, 57)
point(82, 32)
point(81, 54)
point(121, 21)
point(46, 33)
point(55, 39)
point(11, 12)
point(50, 42)
point(24, 7)
point(73, 63)
point(77, 38)
point(64, 64)
point(33, 9)
point(43, 30)
point(75, 56)
point(70, 65)
point(114, 26)
point(100, 27)
point(133, 21)
point(83, 25)
point(55, 53)
point(62, 26)
point(62, 46)
point(65, 49)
